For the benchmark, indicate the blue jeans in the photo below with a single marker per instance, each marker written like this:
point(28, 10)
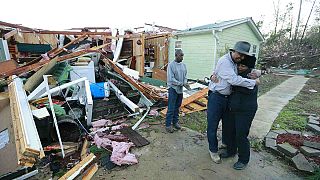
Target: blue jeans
point(174, 103)
point(224, 137)
point(216, 110)
point(238, 134)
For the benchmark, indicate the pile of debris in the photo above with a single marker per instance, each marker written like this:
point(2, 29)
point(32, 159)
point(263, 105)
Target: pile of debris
point(68, 103)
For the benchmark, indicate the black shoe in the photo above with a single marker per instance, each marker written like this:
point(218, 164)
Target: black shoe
point(225, 154)
point(239, 166)
point(223, 146)
point(177, 126)
point(169, 129)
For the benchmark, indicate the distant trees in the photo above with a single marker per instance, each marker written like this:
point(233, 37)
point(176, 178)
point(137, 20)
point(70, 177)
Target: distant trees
point(298, 21)
point(293, 36)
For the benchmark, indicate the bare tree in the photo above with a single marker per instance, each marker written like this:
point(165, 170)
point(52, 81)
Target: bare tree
point(298, 22)
point(283, 17)
point(305, 26)
point(290, 32)
point(276, 13)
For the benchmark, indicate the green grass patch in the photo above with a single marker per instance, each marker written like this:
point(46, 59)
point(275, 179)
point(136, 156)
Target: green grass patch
point(290, 119)
point(256, 144)
point(305, 102)
point(196, 121)
point(270, 81)
point(315, 176)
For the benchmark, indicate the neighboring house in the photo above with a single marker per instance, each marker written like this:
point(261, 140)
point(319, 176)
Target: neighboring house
point(204, 45)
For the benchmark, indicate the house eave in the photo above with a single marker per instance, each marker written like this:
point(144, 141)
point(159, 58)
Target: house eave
point(177, 33)
point(247, 20)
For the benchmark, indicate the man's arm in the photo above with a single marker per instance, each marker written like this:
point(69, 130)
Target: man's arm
point(227, 72)
point(171, 78)
point(185, 75)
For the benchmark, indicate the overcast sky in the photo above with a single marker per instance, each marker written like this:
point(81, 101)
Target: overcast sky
point(64, 14)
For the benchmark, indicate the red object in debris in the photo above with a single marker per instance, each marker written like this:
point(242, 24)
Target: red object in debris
point(296, 140)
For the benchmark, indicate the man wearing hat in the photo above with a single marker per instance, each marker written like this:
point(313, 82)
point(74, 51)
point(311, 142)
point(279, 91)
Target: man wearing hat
point(241, 111)
point(226, 73)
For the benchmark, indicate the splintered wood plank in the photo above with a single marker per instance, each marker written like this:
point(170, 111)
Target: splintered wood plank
point(75, 171)
point(127, 78)
point(90, 172)
point(194, 97)
point(9, 34)
point(200, 103)
point(196, 107)
point(134, 137)
point(84, 149)
point(8, 65)
point(19, 141)
point(198, 96)
point(55, 52)
point(189, 107)
point(142, 59)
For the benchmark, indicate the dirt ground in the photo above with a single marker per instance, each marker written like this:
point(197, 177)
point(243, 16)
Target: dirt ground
point(184, 155)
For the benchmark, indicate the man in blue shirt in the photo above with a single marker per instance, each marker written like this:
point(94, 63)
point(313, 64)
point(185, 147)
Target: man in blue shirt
point(226, 73)
point(176, 80)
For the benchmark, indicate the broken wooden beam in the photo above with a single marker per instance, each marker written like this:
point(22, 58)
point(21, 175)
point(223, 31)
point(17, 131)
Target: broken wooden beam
point(108, 34)
point(185, 102)
point(56, 52)
point(28, 144)
point(37, 78)
point(200, 103)
point(31, 67)
point(189, 107)
point(76, 170)
point(17, 26)
point(126, 77)
point(9, 34)
point(87, 175)
point(194, 97)
point(8, 65)
point(84, 149)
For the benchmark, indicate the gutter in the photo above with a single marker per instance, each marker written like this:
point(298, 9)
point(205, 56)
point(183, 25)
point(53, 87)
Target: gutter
point(176, 33)
point(216, 42)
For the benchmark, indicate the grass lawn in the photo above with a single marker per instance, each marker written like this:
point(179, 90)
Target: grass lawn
point(270, 81)
point(292, 115)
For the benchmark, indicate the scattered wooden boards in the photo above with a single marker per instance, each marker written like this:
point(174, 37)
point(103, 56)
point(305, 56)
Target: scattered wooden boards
point(192, 103)
point(77, 169)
